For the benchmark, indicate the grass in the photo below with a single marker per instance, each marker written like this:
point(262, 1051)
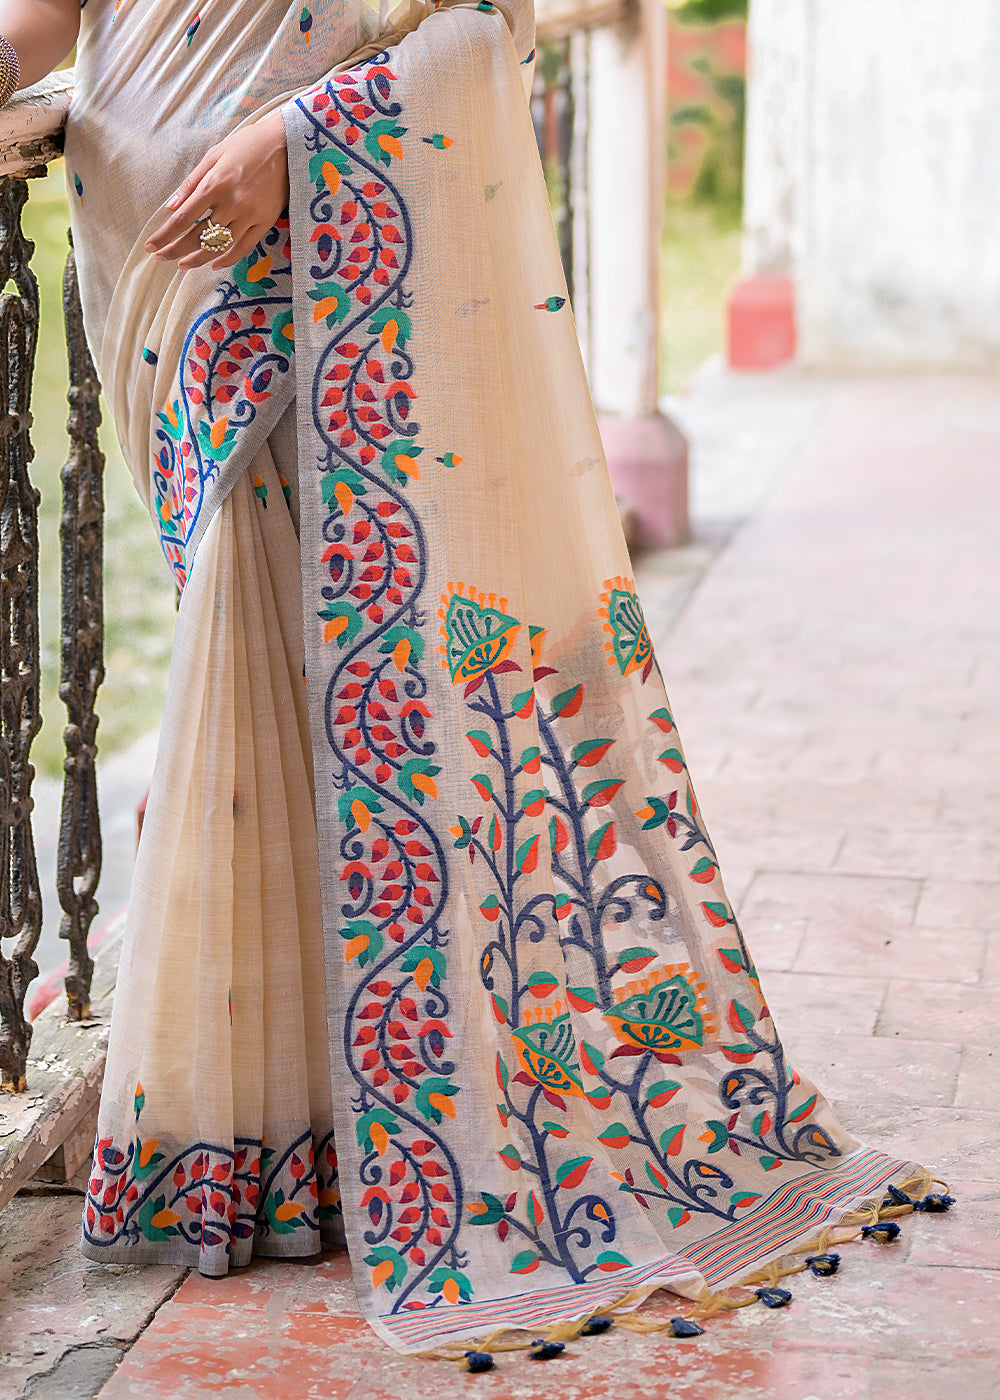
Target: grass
point(701, 259)
point(139, 593)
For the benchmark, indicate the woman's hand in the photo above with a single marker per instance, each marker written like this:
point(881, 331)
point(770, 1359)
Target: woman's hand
point(243, 181)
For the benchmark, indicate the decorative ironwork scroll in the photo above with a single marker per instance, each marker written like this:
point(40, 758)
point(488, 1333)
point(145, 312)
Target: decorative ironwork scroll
point(81, 534)
point(20, 720)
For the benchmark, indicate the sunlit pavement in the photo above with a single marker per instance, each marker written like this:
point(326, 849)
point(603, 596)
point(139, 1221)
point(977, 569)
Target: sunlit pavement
point(831, 643)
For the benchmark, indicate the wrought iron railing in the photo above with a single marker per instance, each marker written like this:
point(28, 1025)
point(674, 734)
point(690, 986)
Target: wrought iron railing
point(31, 141)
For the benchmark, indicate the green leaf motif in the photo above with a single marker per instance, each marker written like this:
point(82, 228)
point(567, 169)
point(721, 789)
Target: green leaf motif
point(601, 843)
point(589, 752)
point(804, 1111)
point(148, 1212)
point(141, 1170)
point(441, 1088)
point(328, 155)
point(365, 1123)
point(441, 1276)
point(385, 1254)
point(720, 1136)
point(332, 611)
point(363, 928)
point(387, 130)
point(405, 776)
point(401, 447)
point(417, 954)
point(746, 1017)
point(346, 476)
point(667, 1138)
point(381, 318)
point(493, 1213)
point(658, 813)
point(346, 801)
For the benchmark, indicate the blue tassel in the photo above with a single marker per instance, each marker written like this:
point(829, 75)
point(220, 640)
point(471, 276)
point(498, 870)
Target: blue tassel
point(897, 1197)
point(478, 1361)
point(935, 1203)
point(684, 1327)
point(885, 1231)
point(546, 1351)
point(596, 1326)
point(774, 1297)
point(823, 1265)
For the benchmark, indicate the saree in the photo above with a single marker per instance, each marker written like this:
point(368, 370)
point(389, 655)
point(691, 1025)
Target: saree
point(428, 947)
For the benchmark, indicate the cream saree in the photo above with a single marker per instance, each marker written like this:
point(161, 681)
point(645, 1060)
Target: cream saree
point(423, 872)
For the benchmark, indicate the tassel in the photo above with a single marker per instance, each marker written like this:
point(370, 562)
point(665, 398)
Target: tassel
point(596, 1325)
point(823, 1265)
point(546, 1351)
point(897, 1198)
point(684, 1327)
point(934, 1203)
point(477, 1361)
point(885, 1231)
point(774, 1297)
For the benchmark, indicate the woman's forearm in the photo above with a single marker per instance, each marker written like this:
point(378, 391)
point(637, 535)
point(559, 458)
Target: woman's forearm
point(41, 32)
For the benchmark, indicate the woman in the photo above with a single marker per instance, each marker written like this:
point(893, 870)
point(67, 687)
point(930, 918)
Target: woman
point(363, 431)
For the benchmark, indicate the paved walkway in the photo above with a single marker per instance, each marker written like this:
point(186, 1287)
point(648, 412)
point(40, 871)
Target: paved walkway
point(834, 662)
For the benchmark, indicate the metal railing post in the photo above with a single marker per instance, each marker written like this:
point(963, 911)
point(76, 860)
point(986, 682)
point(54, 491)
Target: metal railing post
point(20, 720)
point(81, 534)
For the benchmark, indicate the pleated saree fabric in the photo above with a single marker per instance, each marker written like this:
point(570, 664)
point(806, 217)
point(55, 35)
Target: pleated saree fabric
point(428, 943)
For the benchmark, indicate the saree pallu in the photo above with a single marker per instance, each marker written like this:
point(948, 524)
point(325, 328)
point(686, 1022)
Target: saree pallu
point(428, 943)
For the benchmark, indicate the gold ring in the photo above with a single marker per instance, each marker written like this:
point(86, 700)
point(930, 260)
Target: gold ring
point(216, 238)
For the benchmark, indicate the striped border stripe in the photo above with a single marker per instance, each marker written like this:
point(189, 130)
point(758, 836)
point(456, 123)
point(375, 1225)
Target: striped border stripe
point(793, 1212)
point(789, 1214)
point(537, 1309)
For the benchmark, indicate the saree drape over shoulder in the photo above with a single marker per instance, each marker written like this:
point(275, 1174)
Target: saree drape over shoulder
point(422, 872)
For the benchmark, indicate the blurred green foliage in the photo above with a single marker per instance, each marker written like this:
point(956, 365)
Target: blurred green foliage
point(709, 11)
point(722, 118)
point(719, 181)
point(700, 262)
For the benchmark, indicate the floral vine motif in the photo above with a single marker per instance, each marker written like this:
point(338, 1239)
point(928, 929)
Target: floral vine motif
point(656, 1020)
point(779, 1131)
point(233, 359)
point(206, 1194)
point(393, 869)
point(555, 1223)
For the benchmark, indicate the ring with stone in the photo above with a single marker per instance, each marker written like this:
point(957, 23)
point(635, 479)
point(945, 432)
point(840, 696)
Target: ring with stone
point(216, 238)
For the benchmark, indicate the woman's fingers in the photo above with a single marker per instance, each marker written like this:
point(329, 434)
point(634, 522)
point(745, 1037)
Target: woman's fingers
point(243, 181)
point(190, 183)
point(193, 204)
point(244, 241)
point(190, 237)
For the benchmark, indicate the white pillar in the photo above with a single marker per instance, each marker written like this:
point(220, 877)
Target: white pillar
point(625, 168)
point(626, 161)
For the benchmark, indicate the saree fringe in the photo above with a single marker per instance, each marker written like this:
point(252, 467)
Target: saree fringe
point(623, 1315)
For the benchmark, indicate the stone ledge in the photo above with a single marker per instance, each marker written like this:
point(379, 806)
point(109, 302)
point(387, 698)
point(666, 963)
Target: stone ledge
point(65, 1071)
point(31, 125)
